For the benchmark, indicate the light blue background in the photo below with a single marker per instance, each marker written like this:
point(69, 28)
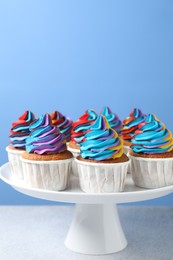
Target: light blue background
point(74, 55)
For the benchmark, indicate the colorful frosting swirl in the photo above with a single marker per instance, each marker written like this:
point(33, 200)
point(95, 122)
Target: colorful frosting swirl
point(113, 119)
point(101, 142)
point(152, 137)
point(20, 130)
point(131, 123)
point(81, 126)
point(45, 138)
point(64, 124)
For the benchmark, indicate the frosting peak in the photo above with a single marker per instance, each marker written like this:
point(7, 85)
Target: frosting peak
point(136, 112)
point(45, 138)
point(113, 119)
point(152, 137)
point(101, 142)
point(131, 123)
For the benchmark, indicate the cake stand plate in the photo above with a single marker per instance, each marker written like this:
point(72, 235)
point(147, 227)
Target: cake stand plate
point(96, 228)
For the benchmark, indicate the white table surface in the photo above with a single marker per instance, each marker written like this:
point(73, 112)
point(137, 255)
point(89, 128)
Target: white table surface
point(38, 232)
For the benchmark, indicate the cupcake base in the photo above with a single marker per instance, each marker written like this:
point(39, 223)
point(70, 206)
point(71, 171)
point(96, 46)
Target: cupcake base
point(127, 150)
point(73, 145)
point(127, 143)
point(52, 174)
point(152, 171)
point(47, 157)
point(15, 163)
point(101, 177)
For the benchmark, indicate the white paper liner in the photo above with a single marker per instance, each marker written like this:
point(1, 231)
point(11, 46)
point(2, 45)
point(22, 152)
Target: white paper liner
point(15, 162)
point(127, 149)
point(75, 153)
point(152, 173)
point(102, 177)
point(47, 175)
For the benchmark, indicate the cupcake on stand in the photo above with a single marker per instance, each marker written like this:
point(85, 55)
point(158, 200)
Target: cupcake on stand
point(18, 134)
point(152, 154)
point(102, 165)
point(46, 162)
point(130, 125)
point(79, 129)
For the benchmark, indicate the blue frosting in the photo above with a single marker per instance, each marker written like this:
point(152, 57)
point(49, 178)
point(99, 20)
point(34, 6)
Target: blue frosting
point(101, 142)
point(152, 137)
point(113, 119)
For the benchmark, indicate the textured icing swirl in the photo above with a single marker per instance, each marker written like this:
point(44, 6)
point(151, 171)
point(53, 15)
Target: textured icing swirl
point(82, 125)
point(113, 119)
point(152, 137)
point(20, 130)
point(45, 138)
point(64, 124)
point(131, 123)
point(101, 142)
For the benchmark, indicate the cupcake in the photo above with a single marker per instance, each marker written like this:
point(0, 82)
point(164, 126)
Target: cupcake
point(18, 134)
point(130, 125)
point(64, 124)
point(46, 162)
point(113, 120)
point(79, 129)
point(102, 165)
point(152, 154)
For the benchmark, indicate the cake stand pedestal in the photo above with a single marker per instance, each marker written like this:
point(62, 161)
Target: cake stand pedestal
point(96, 228)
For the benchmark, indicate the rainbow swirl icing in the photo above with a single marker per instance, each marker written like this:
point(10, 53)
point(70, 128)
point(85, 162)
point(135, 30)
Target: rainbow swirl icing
point(20, 130)
point(45, 138)
point(64, 124)
point(101, 142)
point(82, 125)
point(131, 123)
point(113, 119)
point(152, 137)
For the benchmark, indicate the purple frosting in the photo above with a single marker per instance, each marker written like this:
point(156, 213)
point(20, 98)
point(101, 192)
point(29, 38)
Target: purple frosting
point(45, 138)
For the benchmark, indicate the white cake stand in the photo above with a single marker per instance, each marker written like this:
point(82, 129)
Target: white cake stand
point(96, 227)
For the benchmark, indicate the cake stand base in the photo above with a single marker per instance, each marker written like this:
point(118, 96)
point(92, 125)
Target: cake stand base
point(96, 230)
